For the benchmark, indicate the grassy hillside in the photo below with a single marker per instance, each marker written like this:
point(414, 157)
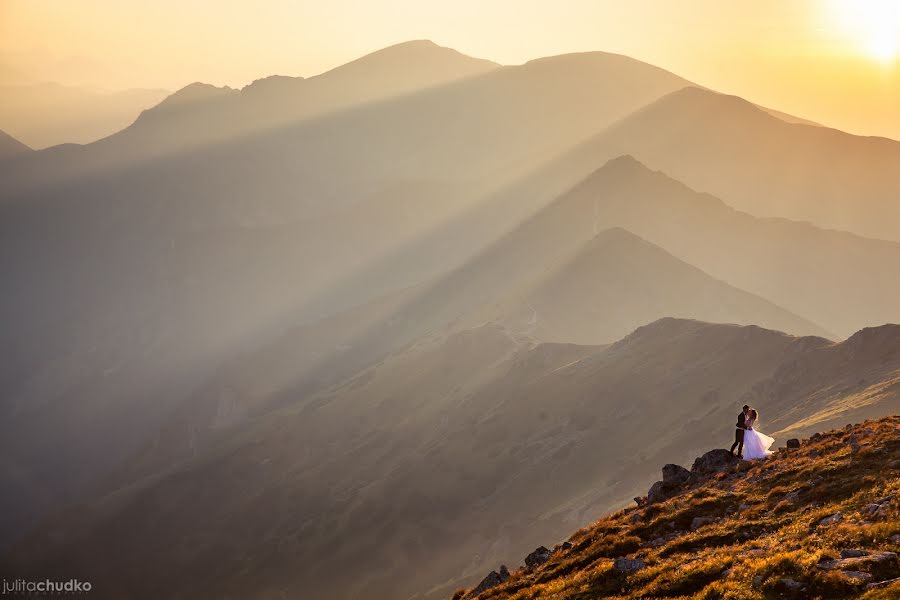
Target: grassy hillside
point(821, 521)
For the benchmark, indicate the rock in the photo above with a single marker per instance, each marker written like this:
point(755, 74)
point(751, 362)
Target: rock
point(565, 546)
point(628, 565)
point(790, 585)
point(859, 577)
point(894, 539)
point(635, 518)
point(714, 461)
point(793, 444)
point(886, 499)
point(871, 509)
point(699, 522)
point(641, 501)
point(832, 520)
point(757, 581)
point(493, 579)
point(658, 492)
point(742, 507)
point(870, 561)
point(792, 497)
point(726, 573)
point(883, 584)
point(537, 558)
point(674, 478)
point(675, 474)
point(852, 553)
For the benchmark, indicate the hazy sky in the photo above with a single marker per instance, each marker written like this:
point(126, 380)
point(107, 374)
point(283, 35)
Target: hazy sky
point(833, 61)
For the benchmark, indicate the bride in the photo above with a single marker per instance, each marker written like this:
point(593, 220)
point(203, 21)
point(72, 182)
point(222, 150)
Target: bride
point(756, 444)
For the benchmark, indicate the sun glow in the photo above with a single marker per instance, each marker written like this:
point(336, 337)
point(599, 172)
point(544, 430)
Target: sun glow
point(872, 24)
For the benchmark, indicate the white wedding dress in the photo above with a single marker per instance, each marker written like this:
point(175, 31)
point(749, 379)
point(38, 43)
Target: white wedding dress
point(756, 444)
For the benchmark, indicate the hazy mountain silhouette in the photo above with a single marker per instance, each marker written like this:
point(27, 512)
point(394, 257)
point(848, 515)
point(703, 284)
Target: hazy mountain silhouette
point(617, 281)
point(201, 114)
point(607, 285)
point(839, 280)
point(758, 163)
point(10, 146)
point(478, 444)
point(47, 114)
point(170, 264)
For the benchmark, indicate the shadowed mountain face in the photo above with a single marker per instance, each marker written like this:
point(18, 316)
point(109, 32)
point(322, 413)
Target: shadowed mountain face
point(10, 146)
point(477, 446)
point(47, 114)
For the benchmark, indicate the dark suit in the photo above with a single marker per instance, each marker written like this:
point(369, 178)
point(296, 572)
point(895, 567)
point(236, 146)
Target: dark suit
point(739, 434)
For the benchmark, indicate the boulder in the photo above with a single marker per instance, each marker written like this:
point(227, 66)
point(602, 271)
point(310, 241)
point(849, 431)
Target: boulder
point(493, 579)
point(628, 565)
point(714, 461)
point(832, 520)
point(881, 562)
point(674, 478)
point(793, 444)
point(883, 584)
point(675, 474)
point(658, 492)
point(859, 577)
point(791, 586)
point(537, 558)
point(852, 553)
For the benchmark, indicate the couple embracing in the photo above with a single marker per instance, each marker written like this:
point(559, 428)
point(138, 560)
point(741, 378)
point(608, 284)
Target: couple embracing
point(750, 443)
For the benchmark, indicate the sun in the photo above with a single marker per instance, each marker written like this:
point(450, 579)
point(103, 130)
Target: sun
point(873, 25)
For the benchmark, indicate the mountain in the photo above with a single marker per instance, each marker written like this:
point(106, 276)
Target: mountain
point(452, 454)
point(136, 276)
point(10, 146)
point(47, 114)
point(201, 114)
point(839, 280)
point(617, 281)
point(761, 164)
point(818, 521)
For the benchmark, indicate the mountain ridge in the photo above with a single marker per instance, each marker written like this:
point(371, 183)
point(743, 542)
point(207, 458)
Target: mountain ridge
point(724, 529)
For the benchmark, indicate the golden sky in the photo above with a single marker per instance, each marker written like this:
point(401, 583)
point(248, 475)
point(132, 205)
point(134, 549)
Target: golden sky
point(833, 61)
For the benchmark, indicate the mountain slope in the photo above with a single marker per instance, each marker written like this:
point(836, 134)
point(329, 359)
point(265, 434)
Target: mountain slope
point(172, 263)
point(481, 444)
point(760, 164)
point(10, 146)
point(225, 113)
point(47, 114)
point(821, 521)
point(617, 281)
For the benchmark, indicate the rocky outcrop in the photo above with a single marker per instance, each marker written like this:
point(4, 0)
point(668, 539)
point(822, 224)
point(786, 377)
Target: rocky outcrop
point(492, 579)
point(537, 558)
point(674, 478)
point(628, 565)
point(874, 565)
point(714, 461)
point(793, 444)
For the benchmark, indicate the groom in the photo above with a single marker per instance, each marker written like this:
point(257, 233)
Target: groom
point(739, 432)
